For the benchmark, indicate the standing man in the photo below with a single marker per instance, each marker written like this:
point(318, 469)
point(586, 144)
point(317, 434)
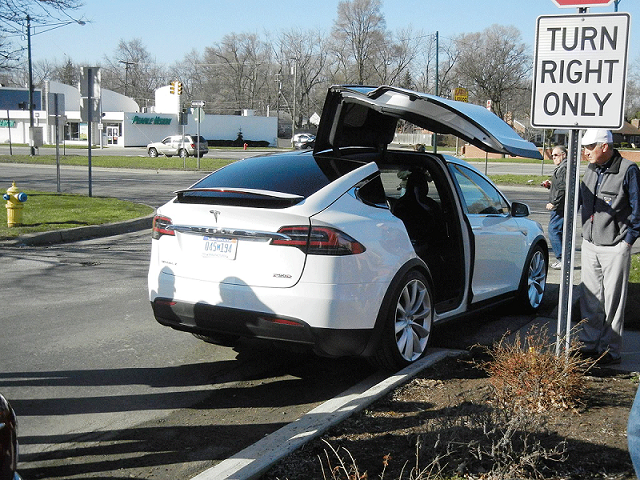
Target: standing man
point(610, 200)
point(557, 188)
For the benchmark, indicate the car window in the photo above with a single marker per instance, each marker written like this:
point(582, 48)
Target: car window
point(166, 140)
point(372, 192)
point(301, 175)
point(480, 197)
point(394, 181)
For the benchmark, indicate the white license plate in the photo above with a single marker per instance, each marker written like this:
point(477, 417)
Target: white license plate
point(219, 247)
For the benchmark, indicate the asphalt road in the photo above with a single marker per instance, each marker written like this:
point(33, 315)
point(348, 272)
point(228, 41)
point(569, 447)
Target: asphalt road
point(102, 390)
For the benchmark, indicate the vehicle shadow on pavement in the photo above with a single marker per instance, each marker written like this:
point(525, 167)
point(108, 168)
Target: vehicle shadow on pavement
point(206, 411)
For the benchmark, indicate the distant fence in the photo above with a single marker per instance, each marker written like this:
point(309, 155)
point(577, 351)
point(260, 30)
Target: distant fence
point(413, 138)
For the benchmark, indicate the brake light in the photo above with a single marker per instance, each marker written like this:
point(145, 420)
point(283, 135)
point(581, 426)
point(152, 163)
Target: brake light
point(161, 227)
point(319, 240)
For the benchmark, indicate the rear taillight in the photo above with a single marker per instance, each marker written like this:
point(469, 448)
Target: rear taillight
point(319, 240)
point(161, 227)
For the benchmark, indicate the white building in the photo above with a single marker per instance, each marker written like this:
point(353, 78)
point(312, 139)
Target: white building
point(121, 122)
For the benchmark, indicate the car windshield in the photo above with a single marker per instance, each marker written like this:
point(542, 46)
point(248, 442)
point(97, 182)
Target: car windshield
point(291, 174)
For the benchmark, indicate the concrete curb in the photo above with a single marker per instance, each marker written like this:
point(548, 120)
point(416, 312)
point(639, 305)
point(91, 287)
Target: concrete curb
point(80, 233)
point(256, 459)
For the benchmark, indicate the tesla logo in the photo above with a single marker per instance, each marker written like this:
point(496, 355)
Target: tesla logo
point(215, 214)
point(281, 275)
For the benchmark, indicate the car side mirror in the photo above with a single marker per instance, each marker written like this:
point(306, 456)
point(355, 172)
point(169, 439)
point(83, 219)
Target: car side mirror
point(519, 209)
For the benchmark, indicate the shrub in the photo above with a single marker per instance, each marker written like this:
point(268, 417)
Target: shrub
point(528, 374)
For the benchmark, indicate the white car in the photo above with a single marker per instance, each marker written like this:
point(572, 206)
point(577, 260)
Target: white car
point(353, 248)
point(303, 141)
point(182, 146)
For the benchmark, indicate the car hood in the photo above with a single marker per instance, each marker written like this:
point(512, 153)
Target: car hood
point(356, 116)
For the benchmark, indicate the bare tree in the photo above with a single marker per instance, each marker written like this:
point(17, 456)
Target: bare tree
point(133, 72)
point(359, 33)
point(632, 104)
point(394, 57)
point(13, 19)
point(495, 64)
point(236, 71)
point(306, 52)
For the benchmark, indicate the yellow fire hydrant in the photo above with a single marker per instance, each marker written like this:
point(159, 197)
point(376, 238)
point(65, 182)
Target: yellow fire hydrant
point(15, 203)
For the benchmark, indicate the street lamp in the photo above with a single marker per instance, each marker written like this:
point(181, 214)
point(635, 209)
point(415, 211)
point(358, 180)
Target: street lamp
point(53, 26)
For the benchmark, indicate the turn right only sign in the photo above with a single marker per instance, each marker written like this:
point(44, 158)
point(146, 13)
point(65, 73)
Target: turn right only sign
point(580, 71)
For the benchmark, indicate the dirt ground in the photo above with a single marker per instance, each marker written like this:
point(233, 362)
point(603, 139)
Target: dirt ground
point(447, 411)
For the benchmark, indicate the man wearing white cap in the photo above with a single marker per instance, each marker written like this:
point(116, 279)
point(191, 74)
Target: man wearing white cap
point(610, 201)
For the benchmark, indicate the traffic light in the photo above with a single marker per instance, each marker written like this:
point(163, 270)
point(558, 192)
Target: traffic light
point(172, 88)
point(179, 88)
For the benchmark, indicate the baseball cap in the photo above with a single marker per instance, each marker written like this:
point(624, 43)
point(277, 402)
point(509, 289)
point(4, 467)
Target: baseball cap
point(597, 135)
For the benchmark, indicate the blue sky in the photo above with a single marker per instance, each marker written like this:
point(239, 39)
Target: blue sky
point(171, 29)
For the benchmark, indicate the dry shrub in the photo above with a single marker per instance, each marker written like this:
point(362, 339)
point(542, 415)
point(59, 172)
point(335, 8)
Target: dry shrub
point(528, 374)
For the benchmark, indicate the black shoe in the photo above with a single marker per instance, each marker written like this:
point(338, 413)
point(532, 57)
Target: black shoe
point(608, 359)
point(588, 353)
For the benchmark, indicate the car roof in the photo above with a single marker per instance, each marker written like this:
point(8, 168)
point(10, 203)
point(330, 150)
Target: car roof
point(361, 116)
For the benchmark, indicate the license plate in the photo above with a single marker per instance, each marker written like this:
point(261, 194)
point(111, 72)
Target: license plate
point(220, 247)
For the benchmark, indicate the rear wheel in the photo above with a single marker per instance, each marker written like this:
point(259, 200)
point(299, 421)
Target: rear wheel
point(153, 152)
point(534, 280)
point(407, 324)
point(183, 153)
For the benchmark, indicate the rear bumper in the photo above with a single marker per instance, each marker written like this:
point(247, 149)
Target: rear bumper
point(211, 320)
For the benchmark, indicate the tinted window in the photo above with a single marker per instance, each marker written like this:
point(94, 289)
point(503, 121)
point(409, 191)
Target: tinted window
point(294, 174)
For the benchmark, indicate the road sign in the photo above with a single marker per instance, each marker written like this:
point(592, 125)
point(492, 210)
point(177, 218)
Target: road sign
point(197, 103)
point(461, 94)
point(198, 114)
point(580, 71)
point(582, 3)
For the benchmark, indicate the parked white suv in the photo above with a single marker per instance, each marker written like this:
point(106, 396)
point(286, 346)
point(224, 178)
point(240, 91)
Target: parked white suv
point(178, 145)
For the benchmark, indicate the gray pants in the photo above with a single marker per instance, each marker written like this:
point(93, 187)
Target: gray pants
point(605, 280)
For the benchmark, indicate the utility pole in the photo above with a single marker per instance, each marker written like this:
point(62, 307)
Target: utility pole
point(126, 74)
point(32, 150)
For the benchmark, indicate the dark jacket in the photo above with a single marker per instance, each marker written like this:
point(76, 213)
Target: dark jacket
point(558, 188)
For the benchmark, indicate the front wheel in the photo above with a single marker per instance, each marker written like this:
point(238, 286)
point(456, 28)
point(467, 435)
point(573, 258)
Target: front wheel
point(534, 280)
point(407, 324)
point(153, 152)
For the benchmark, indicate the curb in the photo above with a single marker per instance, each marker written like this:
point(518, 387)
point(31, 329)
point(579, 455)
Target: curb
point(80, 233)
point(256, 459)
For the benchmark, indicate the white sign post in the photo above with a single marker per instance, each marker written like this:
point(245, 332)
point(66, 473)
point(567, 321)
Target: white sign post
point(579, 82)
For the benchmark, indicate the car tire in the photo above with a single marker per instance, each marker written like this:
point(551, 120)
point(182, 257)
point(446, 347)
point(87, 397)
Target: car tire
point(219, 339)
point(406, 328)
point(153, 152)
point(182, 153)
point(534, 280)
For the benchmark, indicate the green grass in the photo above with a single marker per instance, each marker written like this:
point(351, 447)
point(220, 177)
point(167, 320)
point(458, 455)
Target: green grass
point(46, 211)
point(158, 163)
point(515, 179)
point(634, 274)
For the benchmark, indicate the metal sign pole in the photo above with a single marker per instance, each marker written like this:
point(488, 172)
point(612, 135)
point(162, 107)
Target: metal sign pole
point(89, 120)
point(57, 119)
point(568, 243)
point(9, 127)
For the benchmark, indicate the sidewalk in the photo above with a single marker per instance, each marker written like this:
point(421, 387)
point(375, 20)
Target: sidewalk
point(631, 338)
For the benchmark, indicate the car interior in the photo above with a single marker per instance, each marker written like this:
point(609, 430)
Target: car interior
point(419, 194)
